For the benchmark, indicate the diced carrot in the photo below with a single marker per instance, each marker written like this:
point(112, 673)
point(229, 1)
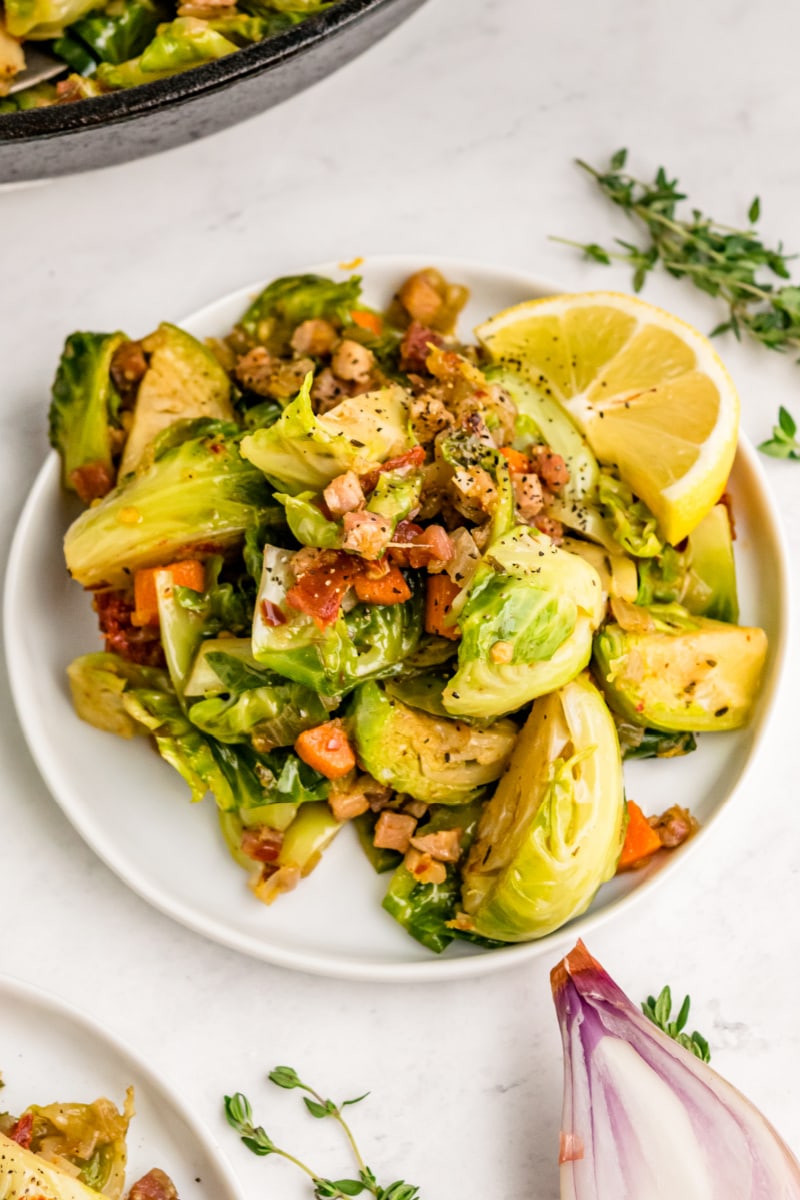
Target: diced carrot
point(367, 320)
point(391, 588)
point(438, 601)
point(326, 748)
point(189, 573)
point(640, 840)
point(518, 463)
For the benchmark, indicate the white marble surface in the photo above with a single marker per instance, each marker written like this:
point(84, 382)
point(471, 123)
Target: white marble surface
point(454, 136)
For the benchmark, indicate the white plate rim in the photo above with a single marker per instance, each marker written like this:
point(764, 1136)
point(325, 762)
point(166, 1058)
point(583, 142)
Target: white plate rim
point(341, 966)
point(30, 994)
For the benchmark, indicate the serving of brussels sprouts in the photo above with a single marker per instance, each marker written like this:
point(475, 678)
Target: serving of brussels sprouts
point(122, 43)
point(343, 575)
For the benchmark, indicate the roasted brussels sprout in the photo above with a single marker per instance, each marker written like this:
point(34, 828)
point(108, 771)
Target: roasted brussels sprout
point(183, 381)
point(526, 625)
point(434, 759)
point(369, 642)
point(302, 451)
point(542, 419)
point(277, 311)
point(198, 492)
point(676, 671)
point(98, 683)
point(552, 832)
point(83, 413)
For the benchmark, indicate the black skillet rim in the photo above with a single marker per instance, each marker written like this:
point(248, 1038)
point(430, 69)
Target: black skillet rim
point(130, 103)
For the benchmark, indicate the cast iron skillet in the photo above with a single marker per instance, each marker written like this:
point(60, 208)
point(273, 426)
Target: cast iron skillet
point(63, 139)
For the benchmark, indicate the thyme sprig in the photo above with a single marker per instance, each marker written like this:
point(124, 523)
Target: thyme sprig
point(659, 1011)
point(734, 265)
point(783, 443)
point(239, 1113)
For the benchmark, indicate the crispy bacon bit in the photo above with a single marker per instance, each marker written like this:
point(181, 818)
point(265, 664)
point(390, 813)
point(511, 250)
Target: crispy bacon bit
point(473, 492)
point(431, 548)
point(115, 611)
point(674, 827)
point(424, 868)
point(549, 466)
point(404, 535)
point(415, 346)
point(366, 533)
point(527, 495)
point(21, 1131)
point(349, 803)
point(271, 614)
point(92, 481)
point(327, 390)
point(551, 527)
point(262, 844)
point(254, 370)
point(393, 831)
point(411, 459)
point(570, 1147)
point(319, 592)
point(155, 1185)
point(419, 297)
point(429, 416)
point(416, 808)
point(316, 336)
point(352, 362)
point(444, 845)
point(344, 494)
point(308, 558)
point(128, 365)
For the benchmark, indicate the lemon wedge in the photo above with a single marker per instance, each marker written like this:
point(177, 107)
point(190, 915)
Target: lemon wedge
point(648, 391)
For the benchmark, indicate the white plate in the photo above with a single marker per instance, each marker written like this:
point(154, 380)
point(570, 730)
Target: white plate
point(134, 811)
point(50, 1052)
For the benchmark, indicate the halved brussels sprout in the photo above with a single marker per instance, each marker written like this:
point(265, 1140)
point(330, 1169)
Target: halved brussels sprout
point(83, 411)
point(98, 683)
point(711, 584)
point(617, 571)
point(434, 759)
point(305, 840)
point(542, 419)
point(678, 671)
point(183, 381)
point(303, 451)
point(217, 659)
point(552, 832)
point(369, 642)
point(200, 491)
point(527, 625)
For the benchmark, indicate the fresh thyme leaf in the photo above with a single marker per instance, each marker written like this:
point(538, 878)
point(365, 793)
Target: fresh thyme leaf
point(659, 1011)
point(783, 443)
point(285, 1077)
point(239, 1113)
point(734, 265)
point(316, 1110)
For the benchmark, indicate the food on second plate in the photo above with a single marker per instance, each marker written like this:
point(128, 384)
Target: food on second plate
point(121, 43)
point(73, 1151)
point(351, 568)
